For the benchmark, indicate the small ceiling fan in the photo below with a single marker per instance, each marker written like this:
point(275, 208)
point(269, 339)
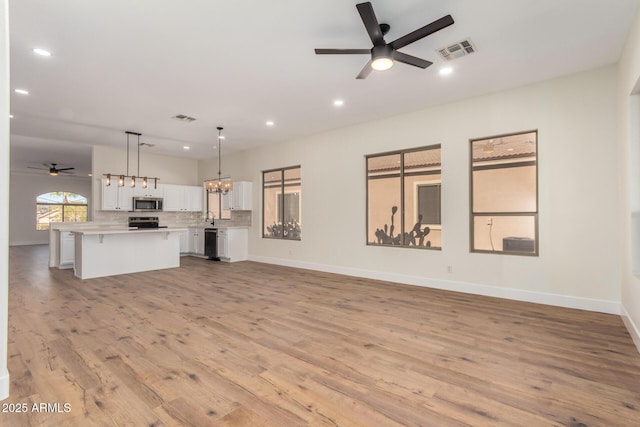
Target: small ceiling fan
point(383, 54)
point(53, 170)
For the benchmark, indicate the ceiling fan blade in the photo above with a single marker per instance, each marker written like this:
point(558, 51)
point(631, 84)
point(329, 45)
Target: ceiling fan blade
point(416, 35)
point(342, 51)
point(366, 70)
point(40, 169)
point(64, 169)
point(371, 23)
point(411, 60)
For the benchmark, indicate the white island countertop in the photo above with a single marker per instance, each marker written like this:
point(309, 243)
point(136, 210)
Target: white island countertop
point(98, 231)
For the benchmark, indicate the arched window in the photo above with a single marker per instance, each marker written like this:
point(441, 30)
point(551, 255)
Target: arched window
point(60, 206)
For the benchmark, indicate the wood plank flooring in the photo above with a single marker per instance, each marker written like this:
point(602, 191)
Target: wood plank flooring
point(249, 344)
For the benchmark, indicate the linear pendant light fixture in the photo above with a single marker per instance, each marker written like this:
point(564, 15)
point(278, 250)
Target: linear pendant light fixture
point(132, 178)
point(219, 186)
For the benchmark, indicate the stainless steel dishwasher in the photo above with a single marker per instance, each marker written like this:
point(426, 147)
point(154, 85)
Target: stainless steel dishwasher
point(211, 243)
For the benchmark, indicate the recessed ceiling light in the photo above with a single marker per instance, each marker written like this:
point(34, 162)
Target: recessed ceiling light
point(270, 123)
point(21, 91)
point(11, 116)
point(338, 102)
point(41, 52)
point(221, 136)
point(186, 147)
point(446, 71)
point(89, 174)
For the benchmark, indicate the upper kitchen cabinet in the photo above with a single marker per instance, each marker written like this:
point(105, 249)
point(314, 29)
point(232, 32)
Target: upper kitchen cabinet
point(150, 191)
point(183, 198)
point(116, 198)
point(239, 198)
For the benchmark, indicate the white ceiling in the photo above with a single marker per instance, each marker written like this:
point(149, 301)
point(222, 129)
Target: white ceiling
point(122, 65)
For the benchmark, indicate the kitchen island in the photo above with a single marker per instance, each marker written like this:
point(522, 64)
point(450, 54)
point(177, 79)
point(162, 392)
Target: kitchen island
point(103, 252)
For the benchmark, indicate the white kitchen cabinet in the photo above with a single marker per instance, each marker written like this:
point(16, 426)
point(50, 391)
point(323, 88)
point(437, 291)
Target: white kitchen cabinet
point(150, 191)
point(67, 249)
point(232, 244)
point(239, 198)
point(182, 198)
point(184, 242)
point(116, 198)
point(194, 196)
point(196, 240)
point(223, 243)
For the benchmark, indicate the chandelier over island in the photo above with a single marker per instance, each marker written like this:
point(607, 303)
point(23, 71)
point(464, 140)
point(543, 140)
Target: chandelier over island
point(219, 185)
point(132, 178)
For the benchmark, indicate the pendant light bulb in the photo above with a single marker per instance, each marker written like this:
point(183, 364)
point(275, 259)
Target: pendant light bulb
point(108, 183)
point(121, 181)
point(133, 181)
point(144, 182)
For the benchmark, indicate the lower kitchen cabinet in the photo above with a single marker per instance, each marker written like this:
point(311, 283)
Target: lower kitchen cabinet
point(196, 240)
point(67, 249)
point(184, 242)
point(232, 244)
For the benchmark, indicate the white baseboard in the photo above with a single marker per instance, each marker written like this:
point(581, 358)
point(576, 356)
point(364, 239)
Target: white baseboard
point(4, 386)
point(633, 329)
point(602, 306)
point(27, 243)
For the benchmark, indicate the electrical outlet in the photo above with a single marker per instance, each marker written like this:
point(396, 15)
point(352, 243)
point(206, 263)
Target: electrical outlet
point(490, 221)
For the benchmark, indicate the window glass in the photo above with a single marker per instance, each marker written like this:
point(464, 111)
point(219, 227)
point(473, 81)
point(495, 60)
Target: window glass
point(504, 193)
point(60, 206)
point(403, 198)
point(282, 203)
point(214, 207)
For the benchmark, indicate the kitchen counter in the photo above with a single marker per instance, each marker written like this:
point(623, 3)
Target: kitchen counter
point(57, 229)
point(103, 252)
point(208, 225)
point(128, 230)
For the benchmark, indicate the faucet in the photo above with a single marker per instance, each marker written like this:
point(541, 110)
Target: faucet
point(212, 217)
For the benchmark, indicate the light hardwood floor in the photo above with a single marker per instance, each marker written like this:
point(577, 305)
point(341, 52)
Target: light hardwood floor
point(251, 344)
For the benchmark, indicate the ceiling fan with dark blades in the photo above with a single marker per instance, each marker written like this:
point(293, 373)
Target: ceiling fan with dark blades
point(383, 54)
point(53, 171)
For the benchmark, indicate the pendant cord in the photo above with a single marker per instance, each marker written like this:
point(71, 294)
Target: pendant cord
point(138, 155)
point(219, 155)
point(127, 154)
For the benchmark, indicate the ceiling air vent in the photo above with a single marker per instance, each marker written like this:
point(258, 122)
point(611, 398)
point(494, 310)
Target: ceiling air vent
point(184, 118)
point(457, 50)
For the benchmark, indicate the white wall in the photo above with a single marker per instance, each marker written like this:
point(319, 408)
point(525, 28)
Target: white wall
point(580, 236)
point(22, 210)
point(629, 152)
point(4, 196)
point(170, 170)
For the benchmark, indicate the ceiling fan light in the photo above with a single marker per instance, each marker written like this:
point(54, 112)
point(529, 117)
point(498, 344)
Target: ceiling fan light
point(382, 63)
point(53, 173)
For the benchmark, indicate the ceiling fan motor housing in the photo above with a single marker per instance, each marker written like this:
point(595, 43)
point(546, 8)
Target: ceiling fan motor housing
point(381, 57)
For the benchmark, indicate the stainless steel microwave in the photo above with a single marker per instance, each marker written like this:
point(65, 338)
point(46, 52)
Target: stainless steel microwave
point(147, 204)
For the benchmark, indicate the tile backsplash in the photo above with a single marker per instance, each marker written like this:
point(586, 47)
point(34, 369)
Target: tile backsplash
point(238, 218)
